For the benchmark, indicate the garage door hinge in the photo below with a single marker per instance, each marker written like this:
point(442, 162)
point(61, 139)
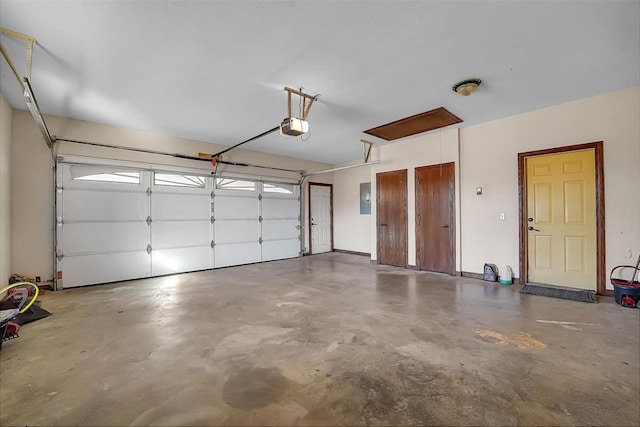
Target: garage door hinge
point(149, 249)
point(59, 256)
point(148, 191)
point(260, 240)
point(260, 218)
point(213, 244)
point(59, 187)
point(259, 196)
point(212, 219)
point(213, 194)
point(149, 220)
point(59, 221)
point(298, 227)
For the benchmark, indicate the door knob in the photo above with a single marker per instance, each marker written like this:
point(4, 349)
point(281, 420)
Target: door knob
point(383, 225)
point(444, 226)
point(533, 229)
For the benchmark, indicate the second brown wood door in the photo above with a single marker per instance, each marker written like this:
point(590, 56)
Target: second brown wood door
point(391, 207)
point(435, 218)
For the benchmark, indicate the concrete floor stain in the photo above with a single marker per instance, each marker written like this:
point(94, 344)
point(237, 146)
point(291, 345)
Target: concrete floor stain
point(252, 388)
point(522, 340)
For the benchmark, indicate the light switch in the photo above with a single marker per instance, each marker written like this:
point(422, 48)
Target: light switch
point(503, 216)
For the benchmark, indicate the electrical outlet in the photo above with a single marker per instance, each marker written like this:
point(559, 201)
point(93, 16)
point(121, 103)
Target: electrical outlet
point(37, 279)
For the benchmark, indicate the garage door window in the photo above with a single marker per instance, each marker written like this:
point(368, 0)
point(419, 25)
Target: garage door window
point(179, 180)
point(278, 188)
point(102, 174)
point(235, 184)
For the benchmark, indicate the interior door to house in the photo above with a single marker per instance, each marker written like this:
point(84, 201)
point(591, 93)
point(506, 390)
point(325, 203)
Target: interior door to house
point(435, 218)
point(320, 218)
point(391, 208)
point(561, 219)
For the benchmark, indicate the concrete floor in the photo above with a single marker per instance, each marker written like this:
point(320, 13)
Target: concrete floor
point(327, 339)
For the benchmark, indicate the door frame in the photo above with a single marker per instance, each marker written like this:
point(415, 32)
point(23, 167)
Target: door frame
point(601, 266)
point(321, 184)
point(452, 215)
point(406, 214)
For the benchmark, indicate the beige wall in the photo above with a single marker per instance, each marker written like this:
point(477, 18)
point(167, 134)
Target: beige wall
point(485, 156)
point(6, 113)
point(32, 179)
point(488, 159)
point(351, 231)
point(357, 232)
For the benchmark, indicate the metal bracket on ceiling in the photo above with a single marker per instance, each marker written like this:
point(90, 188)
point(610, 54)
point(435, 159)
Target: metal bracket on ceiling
point(305, 96)
point(32, 105)
point(25, 82)
point(30, 42)
point(366, 147)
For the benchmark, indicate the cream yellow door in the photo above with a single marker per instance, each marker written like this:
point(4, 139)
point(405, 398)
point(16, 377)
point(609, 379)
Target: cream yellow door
point(561, 219)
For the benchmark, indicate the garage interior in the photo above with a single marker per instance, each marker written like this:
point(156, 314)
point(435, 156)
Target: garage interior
point(281, 213)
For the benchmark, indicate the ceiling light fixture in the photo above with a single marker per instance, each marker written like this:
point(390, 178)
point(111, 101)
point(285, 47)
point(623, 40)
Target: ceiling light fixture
point(466, 87)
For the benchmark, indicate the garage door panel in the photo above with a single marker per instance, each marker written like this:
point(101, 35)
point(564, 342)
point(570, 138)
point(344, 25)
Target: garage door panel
point(102, 205)
point(280, 208)
point(280, 229)
point(180, 234)
point(169, 261)
point(237, 254)
point(237, 208)
point(236, 231)
point(94, 269)
point(180, 206)
point(91, 238)
point(104, 234)
point(280, 249)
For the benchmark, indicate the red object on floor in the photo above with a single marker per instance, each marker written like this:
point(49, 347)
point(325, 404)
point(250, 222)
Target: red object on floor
point(628, 302)
point(12, 329)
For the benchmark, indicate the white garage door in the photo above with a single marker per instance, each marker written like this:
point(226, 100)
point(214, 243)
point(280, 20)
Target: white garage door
point(102, 228)
point(181, 229)
point(280, 221)
point(119, 222)
point(237, 222)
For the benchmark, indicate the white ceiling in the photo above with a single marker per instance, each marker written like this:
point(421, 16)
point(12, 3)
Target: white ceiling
point(215, 71)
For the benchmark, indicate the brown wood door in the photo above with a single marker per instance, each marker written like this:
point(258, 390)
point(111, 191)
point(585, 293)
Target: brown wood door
point(435, 218)
point(391, 188)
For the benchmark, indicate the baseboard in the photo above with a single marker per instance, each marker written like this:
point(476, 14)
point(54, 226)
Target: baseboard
point(344, 251)
point(479, 276)
point(471, 275)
